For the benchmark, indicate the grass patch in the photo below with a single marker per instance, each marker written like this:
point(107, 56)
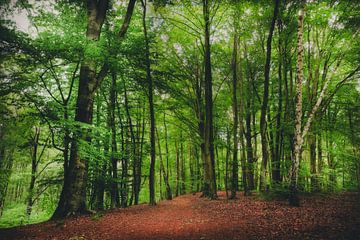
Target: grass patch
point(15, 215)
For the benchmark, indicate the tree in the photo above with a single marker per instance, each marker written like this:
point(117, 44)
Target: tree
point(152, 200)
point(264, 107)
point(235, 178)
point(293, 199)
point(74, 187)
point(209, 188)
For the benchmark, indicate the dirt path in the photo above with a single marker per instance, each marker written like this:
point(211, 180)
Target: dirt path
point(191, 217)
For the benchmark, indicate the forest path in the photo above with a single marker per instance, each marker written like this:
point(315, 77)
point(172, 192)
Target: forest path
point(192, 217)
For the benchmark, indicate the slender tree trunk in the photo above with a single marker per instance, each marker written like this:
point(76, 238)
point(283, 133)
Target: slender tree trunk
point(264, 107)
point(115, 200)
point(162, 169)
point(199, 111)
point(227, 159)
point(331, 164)
point(101, 171)
point(151, 109)
point(249, 146)
point(209, 188)
point(182, 167)
point(255, 140)
point(166, 147)
point(124, 150)
point(276, 175)
point(314, 178)
point(191, 167)
point(242, 129)
point(177, 170)
point(198, 171)
point(140, 155)
point(34, 164)
point(288, 111)
point(235, 166)
point(320, 160)
point(218, 172)
point(298, 141)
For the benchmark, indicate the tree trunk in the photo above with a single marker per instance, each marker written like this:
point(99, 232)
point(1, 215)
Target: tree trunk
point(115, 200)
point(139, 155)
point(235, 167)
point(242, 129)
point(34, 164)
point(162, 169)
point(312, 144)
point(227, 158)
point(166, 147)
point(249, 148)
point(276, 175)
point(177, 163)
point(298, 141)
point(320, 160)
point(182, 169)
point(191, 167)
point(151, 109)
point(264, 107)
point(209, 188)
point(101, 170)
point(199, 111)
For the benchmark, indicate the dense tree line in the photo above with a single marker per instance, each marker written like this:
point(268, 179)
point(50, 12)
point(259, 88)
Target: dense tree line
point(107, 104)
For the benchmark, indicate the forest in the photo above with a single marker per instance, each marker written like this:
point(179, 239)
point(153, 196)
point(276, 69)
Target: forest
point(223, 109)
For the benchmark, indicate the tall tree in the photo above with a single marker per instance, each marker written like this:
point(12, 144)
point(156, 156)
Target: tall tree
point(235, 167)
point(151, 107)
point(294, 199)
point(115, 200)
point(276, 159)
point(264, 107)
point(209, 188)
point(73, 193)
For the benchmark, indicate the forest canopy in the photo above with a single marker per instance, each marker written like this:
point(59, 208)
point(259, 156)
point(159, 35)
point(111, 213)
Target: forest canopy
point(107, 104)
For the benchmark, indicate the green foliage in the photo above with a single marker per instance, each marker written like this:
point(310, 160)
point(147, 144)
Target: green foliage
point(39, 81)
point(15, 215)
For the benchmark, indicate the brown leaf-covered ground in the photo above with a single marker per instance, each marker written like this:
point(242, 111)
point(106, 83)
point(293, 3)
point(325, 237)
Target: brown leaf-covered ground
point(192, 217)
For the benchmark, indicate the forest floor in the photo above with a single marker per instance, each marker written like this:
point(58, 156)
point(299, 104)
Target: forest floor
point(191, 217)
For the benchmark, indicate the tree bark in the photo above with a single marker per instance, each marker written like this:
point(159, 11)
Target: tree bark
point(34, 164)
point(182, 168)
point(162, 169)
point(264, 107)
point(115, 200)
point(151, 109)
point(235, 167)
point(177, 163)
point(249, 145)
point(298, 141)
point(276, 175)
point(209, 187)
point(244, 167)
point(312, 145)
point(227, 158)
